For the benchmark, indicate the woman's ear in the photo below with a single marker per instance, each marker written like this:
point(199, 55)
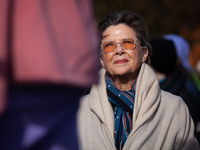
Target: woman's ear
point(102, 63)
point(145, 52)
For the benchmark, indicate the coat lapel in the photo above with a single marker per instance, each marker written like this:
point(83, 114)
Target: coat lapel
point(100, 104)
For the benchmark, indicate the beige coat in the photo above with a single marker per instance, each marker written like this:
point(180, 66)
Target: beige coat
point(161, 121)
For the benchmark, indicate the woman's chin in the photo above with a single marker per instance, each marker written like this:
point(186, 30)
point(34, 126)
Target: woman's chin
point(121, 72)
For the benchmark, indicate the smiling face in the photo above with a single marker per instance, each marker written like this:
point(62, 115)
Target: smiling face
point(122, 62)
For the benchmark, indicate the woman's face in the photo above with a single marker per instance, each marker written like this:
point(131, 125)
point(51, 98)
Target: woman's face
point(120, 61)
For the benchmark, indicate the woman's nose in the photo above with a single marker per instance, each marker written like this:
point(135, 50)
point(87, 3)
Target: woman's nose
point(119, 49)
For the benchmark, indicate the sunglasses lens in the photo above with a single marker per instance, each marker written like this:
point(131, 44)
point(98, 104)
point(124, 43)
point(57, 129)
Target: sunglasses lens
point(108, 46)
point(128, 43)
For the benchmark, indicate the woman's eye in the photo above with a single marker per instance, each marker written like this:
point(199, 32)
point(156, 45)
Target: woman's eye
point(128, 41)
point(109, 44)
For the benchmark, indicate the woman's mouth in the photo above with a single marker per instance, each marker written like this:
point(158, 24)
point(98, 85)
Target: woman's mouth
point(121, 61)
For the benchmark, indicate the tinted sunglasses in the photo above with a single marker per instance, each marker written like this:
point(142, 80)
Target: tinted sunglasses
point(127, 44)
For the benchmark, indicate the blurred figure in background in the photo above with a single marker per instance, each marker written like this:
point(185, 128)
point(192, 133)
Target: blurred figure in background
point(171, 68)
point(48, 57)
point(182, 48)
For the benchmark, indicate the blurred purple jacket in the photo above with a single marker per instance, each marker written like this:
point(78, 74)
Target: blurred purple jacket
point(47, 41)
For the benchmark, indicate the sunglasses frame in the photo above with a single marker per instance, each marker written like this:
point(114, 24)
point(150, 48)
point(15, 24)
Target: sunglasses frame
point(121, 44)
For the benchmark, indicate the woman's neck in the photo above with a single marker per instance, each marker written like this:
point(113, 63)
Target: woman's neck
point(123, 83)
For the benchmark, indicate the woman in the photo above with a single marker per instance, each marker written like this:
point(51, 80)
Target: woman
point(127, 109)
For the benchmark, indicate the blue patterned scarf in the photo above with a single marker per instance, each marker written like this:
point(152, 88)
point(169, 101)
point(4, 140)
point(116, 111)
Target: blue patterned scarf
point(122, 102)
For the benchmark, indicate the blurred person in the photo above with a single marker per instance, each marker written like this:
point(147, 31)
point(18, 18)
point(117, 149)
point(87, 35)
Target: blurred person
point(127, 109)
point(48, 58)
point(173, 77)
point(182, 48)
